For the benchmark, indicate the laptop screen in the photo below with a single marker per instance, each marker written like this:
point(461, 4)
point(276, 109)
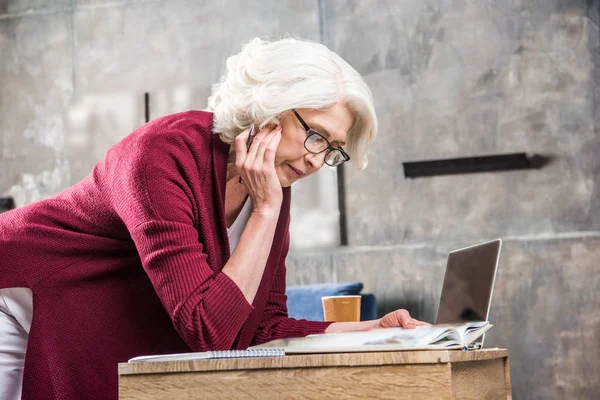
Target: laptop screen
point(468, 283)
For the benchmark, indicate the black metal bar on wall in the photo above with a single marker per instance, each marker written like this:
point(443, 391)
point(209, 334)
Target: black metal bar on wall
point(147, 106)
point(503, 162)
point(342, 205)
point(6, 203)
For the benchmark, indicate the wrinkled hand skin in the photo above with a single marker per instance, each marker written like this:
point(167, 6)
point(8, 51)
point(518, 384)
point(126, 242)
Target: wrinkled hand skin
point(398, 319)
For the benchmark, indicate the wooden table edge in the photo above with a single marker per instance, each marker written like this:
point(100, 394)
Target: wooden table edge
point(313, 360)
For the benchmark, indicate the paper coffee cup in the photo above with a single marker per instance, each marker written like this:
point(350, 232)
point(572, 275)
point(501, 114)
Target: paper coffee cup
point(341, 308)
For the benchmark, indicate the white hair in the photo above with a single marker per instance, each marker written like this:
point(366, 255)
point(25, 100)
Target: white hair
point(268, 78)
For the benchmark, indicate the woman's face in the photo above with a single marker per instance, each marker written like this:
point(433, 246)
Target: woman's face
point(292, 160)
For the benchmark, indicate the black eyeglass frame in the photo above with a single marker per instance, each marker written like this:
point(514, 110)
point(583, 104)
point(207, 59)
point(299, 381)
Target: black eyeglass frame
point(310, 132)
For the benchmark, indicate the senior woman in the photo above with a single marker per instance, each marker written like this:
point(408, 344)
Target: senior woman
point(177, 240)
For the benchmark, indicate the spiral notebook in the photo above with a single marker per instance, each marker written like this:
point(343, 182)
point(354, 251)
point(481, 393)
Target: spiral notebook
point(211, 355)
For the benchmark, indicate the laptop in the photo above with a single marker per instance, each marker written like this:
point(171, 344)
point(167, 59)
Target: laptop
point(468, 285)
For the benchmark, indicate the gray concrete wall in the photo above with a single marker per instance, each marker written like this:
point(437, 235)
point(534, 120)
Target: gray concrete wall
point(463, 78)
point(73, 74)
point(450, 78)
point(467, 78)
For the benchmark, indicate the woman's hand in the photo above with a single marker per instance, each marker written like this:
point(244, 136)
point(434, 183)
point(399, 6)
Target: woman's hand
point(256, 167)
point(399, 318)
point(396, 319)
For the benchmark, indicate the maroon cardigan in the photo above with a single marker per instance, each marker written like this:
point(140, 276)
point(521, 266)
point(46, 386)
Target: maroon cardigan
point(128, 262)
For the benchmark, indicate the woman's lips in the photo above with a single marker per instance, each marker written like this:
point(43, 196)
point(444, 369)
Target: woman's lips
point(298, 174)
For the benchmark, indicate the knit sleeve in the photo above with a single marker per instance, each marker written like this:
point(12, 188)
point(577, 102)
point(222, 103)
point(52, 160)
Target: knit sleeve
point(151, 192)
point(275, 323)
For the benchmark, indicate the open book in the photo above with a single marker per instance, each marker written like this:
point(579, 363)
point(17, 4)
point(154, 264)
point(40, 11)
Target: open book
point(434, 337)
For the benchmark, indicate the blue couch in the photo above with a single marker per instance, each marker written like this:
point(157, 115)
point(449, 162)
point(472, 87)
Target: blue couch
point(304, 301)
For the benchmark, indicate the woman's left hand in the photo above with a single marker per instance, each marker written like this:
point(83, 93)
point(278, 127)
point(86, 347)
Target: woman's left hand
point(398, 319)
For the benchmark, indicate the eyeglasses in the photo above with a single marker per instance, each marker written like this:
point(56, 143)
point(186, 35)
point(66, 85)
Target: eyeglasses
point(316, 144)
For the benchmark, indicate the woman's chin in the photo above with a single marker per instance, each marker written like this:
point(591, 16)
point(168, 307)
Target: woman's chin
point(284, 178)
point(286, 182)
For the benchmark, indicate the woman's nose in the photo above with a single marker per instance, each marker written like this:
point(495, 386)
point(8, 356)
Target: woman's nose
point(316, 161)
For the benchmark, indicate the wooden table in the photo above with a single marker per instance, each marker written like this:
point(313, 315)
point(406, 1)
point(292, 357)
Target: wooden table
point(446, 374)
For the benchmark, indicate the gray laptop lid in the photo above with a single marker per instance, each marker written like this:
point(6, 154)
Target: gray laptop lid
point(468, 284)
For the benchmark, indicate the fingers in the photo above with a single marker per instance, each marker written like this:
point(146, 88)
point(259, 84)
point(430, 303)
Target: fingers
point(420, 323)
point(257, 170)
point(240, 148)
point(405, 320)
point(400, 318)
point(266, 150)
point(258, 141)
point(272, 148)
point(251, 148)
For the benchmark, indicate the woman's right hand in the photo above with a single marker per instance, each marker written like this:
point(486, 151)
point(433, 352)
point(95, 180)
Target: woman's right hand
point(256, 167)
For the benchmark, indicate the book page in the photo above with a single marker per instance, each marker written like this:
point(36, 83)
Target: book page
point(474, 331)
point(440, 336)
point(446, 336)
